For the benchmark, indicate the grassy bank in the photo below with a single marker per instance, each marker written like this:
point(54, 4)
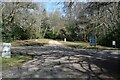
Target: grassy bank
point(16, 60)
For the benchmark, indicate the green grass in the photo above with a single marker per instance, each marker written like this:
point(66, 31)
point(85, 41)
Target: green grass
point(31, 42)
point(85, 45)
point(41, 42)
point(16, 60)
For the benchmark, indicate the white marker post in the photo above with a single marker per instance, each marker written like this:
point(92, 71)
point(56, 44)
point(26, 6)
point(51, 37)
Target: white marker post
point(64, 39)
point(6, 52)
point(36, 40)
point(114, 43)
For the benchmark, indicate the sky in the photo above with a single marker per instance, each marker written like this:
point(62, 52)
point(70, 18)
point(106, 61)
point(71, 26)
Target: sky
point(51, 5)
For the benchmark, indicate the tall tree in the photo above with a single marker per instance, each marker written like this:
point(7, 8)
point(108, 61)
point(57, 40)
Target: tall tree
point(17, 14)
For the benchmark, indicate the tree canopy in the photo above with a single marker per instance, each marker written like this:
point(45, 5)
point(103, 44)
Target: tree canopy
point(28, 20)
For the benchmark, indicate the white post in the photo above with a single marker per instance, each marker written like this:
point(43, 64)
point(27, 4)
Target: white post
point(36, 40)
point(64, 39)
point(114, 43)
point(6, 51)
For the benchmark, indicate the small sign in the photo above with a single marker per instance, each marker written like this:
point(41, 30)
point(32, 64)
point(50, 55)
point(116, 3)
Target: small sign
point(6, 51)
point(92, 40)
point(113, 43)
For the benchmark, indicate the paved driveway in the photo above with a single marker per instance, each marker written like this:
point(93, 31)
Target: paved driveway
point(66, 62)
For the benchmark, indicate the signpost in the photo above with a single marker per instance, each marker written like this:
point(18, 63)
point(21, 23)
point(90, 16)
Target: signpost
point(6, 51)
point(92, 40)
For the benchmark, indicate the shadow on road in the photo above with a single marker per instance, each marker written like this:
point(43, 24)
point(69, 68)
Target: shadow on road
point(65, 62)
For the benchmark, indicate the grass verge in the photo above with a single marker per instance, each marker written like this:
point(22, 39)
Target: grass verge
point(86, 45)
point(16, 60)
point(31, 42)
point(41, 42)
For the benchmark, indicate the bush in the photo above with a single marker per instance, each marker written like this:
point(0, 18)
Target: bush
point(16, 33)
point(113, 36)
